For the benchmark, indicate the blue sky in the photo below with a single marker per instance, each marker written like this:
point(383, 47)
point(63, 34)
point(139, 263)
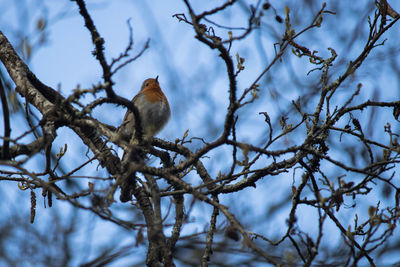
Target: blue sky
point(190, 75)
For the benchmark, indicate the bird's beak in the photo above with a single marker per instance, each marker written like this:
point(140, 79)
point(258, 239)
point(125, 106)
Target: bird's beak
point(157, 78)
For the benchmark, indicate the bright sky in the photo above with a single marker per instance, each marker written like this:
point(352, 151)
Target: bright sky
point(186, 68)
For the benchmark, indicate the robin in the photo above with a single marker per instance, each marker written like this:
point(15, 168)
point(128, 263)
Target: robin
point(153, 108)
point(154, 112)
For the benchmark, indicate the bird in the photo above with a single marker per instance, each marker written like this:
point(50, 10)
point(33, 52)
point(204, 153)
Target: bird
point(153, 109)
point(154, 112)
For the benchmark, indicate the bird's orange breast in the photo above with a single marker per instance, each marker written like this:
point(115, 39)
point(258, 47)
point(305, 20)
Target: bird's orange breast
point(154, 94)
